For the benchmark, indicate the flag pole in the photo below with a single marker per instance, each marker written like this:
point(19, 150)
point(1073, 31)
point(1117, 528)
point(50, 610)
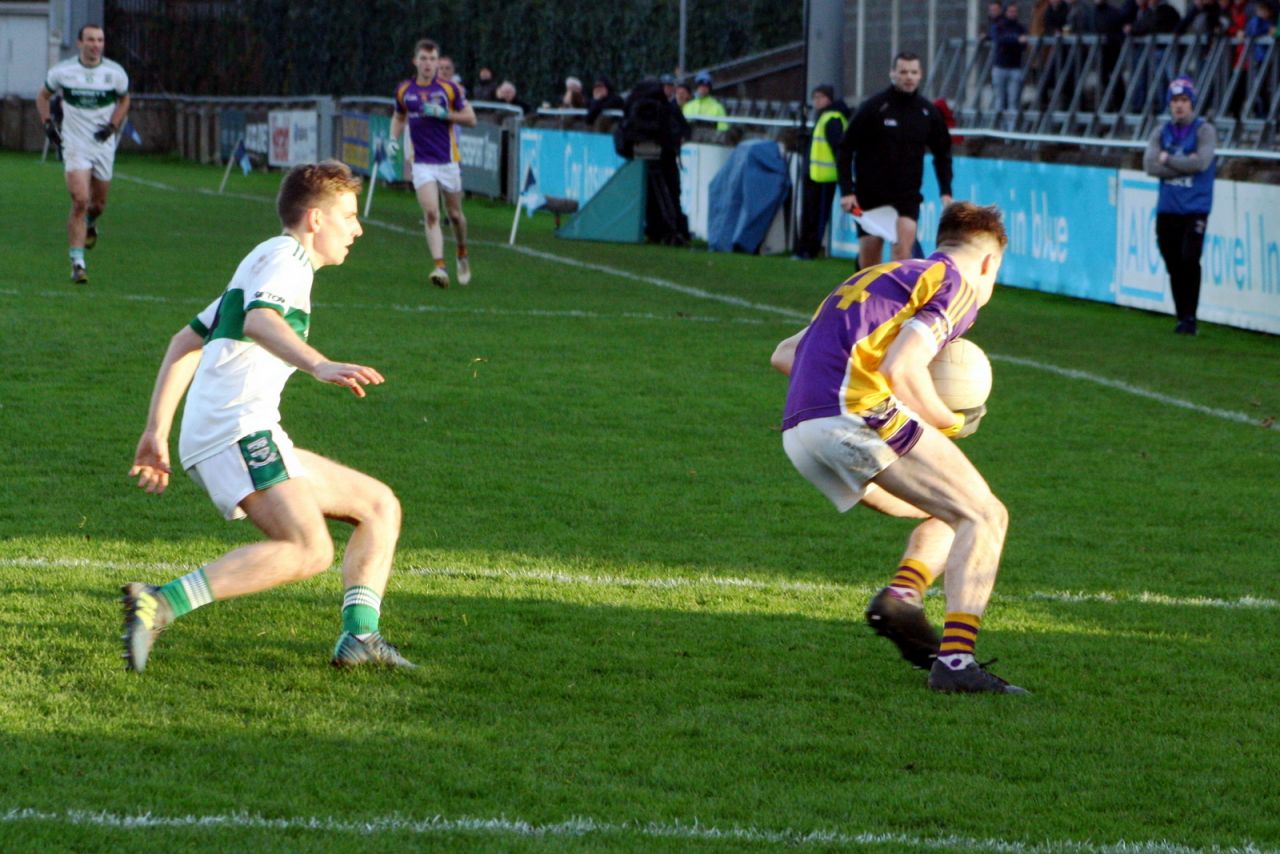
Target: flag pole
point(230, 162)
point(524, 185)
point(368, 199)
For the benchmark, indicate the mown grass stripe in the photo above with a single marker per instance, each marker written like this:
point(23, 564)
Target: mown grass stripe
point(580, 826)
point(538, 576)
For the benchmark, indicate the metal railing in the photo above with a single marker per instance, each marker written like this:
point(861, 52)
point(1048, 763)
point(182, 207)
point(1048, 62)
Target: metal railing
point(1087, 86)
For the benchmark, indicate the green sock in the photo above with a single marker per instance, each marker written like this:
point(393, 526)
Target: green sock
point(187, 593)
point(360, 609)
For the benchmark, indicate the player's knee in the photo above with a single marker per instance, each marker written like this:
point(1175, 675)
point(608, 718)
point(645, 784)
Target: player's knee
point(383, 508)
point(433, 218)
point(995, 516)
point(314, 555)
point(79, 205)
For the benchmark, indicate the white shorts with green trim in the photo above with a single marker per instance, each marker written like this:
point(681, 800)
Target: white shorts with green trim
point(258, 461)
point(97, 156)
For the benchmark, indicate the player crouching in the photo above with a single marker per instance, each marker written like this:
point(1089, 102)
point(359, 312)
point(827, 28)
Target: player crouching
point(240, 351)
point(864, 423)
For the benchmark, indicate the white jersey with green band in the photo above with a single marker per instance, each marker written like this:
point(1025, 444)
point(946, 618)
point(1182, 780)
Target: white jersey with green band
point(237, 386)
point(89, 97)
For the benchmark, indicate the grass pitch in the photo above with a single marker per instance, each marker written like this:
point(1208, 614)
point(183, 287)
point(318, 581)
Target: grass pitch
point(637, 627)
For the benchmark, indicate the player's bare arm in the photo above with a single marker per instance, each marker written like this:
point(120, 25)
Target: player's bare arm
point(151, 459)
point(784, 355)
point(906, 368)
point(118, 115)
point(269, 330)
point(465, 117)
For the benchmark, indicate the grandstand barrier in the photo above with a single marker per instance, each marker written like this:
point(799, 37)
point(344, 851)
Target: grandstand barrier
point(1089, 232)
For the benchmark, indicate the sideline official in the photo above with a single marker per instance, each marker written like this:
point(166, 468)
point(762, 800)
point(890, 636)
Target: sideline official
point(820, 182)
point(881, 158)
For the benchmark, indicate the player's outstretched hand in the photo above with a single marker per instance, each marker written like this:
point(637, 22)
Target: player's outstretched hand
point(972, 417)
point(105, 131)
point(151, 463)
point(51, 131)
point(435, 111)
point(354, 377)
point(849, 203)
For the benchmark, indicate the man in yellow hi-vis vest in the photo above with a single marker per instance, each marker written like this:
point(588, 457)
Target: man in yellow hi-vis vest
point(820, 181)
point(704, 103)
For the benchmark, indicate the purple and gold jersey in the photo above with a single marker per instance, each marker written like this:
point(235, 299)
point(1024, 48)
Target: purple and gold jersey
point(837, 363)
point(433, 139)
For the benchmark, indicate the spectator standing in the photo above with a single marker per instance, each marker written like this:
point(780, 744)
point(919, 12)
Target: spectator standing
point(486, 88)
point(704, 103)
point(1101, 19)
point(1008, 43)
point(683, 95)
point(1055, 17)
point(1181, 154)
point(820, 183)
point(668, 82)
point(1262, 25)
point(1204, 17)
point(882, 157)
point(1156, 17)
point(603, 97)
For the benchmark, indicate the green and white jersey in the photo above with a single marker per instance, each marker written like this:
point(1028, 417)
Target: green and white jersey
point(89, 96)
point(237, 386)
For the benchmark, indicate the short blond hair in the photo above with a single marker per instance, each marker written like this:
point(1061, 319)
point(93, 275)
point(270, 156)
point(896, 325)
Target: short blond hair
point(311, 185)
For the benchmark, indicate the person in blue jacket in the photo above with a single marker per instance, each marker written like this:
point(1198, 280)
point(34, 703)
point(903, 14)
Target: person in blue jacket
point(1181, 154)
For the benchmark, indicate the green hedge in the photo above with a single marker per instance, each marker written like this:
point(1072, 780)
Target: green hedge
point(362, 47)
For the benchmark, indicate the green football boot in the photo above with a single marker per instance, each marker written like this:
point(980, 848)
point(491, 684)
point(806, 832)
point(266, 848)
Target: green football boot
point(350, 651)
point(146, 614)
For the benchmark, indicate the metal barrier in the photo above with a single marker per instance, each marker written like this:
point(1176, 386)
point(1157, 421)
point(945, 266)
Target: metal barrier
point(1087, 86)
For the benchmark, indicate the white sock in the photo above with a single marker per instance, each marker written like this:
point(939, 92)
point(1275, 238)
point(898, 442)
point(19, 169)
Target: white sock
point(957, 661)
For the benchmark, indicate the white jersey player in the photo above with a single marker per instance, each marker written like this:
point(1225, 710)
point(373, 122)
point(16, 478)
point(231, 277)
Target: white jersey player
point(95, 101)
point(236, 356)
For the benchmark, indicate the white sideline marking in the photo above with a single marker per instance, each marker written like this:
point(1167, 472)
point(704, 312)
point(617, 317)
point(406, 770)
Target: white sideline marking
point(672, 583)
point(1138, 391)
point(585, 826)
point(1228, 415)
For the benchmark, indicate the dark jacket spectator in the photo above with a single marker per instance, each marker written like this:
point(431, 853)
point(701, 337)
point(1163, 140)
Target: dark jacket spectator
point(486, 87)
point(1008, 41)
point(1204, 17)
point(1156, 19)
point(603, 97)
point(1054, 20)
point(1100, 18)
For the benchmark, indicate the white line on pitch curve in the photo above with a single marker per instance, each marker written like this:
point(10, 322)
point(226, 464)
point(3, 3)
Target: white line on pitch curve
point(581, 826)
point(790, 314)
point(539, 576)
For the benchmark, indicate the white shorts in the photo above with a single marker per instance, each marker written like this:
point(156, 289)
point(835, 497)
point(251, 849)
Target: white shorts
point(98, 156)
point(839, 454)
point(256, 462)
point(447, 175)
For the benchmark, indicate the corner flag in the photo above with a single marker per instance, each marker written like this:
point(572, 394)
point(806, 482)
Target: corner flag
point(531, 197)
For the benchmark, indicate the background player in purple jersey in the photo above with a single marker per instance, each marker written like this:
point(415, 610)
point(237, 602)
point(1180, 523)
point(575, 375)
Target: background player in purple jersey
point(432, 106)
point(864, 423)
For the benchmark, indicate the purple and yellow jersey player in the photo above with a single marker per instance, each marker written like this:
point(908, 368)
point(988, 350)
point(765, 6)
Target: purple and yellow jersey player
point(864, 424)
point(431, 106)
point(837, 367)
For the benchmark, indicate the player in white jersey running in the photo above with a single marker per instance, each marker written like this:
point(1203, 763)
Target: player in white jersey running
point(236, 356)
point(95, 101)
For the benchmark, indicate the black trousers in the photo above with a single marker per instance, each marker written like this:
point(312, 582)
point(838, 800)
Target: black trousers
point(1181, 239)
point(815, 213)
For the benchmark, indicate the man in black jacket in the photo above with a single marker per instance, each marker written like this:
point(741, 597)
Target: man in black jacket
point(882, 157)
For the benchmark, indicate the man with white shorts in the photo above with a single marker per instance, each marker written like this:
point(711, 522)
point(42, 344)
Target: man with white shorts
point(95, 101)
point(432, 106)
point(864, 423)
point(236, 356)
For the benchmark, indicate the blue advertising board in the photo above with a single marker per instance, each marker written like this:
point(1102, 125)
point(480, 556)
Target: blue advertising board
point(568, 163)
point(1060, 220)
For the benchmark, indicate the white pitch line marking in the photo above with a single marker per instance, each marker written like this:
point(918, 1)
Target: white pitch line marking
point(538, 576)
point(579, 826)
point(1228, 415)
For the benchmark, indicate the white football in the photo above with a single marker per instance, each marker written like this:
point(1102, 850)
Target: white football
point(962, 374)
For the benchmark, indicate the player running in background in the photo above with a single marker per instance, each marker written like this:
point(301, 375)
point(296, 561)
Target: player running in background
point(431, 106)
point(241, 350)
point(864, 423)
point(95, 101)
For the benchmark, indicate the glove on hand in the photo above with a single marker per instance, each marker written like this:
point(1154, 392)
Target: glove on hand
point(967, 422)
point(51, 131)
point(105, 131)
point(434, 111)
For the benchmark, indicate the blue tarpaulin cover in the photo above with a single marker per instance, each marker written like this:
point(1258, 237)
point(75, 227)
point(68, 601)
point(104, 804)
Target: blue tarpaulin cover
point(745, 195)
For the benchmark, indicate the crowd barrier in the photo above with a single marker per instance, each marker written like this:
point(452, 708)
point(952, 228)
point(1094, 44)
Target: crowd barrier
point(1080, 231)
